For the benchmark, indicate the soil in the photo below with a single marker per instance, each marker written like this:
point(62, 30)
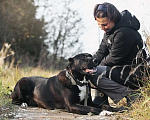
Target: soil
point(14, 112)
point(35, 113)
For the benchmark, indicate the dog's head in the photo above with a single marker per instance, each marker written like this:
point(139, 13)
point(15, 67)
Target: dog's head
point(80, 63)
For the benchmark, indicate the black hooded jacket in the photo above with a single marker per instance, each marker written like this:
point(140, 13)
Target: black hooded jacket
point(121, 44)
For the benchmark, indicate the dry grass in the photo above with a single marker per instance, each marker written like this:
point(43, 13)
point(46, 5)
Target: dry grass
point(141, 108)
point(10, 76)
point(8, 79)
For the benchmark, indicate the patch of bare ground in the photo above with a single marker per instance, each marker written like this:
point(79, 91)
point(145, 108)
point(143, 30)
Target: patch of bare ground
point(14, 112)
point(35, 113)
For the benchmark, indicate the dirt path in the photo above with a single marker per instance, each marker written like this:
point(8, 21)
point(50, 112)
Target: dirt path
point(34, 113)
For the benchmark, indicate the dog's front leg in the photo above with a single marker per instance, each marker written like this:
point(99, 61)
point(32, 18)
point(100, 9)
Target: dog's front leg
point(80, 109)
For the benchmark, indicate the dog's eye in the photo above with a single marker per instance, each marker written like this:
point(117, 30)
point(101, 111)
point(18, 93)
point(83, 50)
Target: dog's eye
point(83, 58)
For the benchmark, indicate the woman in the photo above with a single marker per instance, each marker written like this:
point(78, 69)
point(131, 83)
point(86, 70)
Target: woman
point(119, 46)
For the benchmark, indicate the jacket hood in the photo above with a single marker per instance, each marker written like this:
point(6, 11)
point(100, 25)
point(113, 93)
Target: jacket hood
point(127, 20)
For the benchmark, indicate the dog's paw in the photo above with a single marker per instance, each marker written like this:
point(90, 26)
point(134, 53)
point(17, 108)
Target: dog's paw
point(105, 113)
point(90, 114)
point(24, 105)
point(109, 108)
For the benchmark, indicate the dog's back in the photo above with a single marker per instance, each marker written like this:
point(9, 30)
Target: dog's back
point(45, 92)
point(59, 91)
point(23, 91)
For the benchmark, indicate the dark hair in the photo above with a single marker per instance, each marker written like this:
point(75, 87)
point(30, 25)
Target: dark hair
point(107, 10)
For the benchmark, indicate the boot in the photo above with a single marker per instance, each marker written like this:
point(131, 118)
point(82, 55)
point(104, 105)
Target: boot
point(132, 97)
point(100, 98)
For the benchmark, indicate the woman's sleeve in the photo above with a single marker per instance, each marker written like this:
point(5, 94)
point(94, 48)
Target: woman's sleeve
point(101, 52)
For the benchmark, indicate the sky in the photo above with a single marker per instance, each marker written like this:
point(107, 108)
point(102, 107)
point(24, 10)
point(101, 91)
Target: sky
point(92, 34)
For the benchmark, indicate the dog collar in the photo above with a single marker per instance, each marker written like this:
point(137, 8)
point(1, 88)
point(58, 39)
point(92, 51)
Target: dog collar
point(80, 83)
point(75, 81)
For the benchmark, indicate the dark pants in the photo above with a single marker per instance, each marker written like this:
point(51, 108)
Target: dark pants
point(108, 87)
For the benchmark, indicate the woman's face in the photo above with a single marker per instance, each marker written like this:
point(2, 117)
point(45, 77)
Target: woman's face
point(105, 24)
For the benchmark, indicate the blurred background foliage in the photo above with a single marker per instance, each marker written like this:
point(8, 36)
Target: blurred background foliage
point(35, 41)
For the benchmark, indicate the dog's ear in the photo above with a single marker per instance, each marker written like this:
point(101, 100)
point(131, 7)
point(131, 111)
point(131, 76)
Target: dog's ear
point(70, 60)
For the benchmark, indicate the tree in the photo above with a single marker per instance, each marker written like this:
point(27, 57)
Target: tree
point(44, 41)
point(64, 28)
point(20, 27)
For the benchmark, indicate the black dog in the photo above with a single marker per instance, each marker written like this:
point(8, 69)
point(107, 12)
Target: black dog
point(68, 90)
